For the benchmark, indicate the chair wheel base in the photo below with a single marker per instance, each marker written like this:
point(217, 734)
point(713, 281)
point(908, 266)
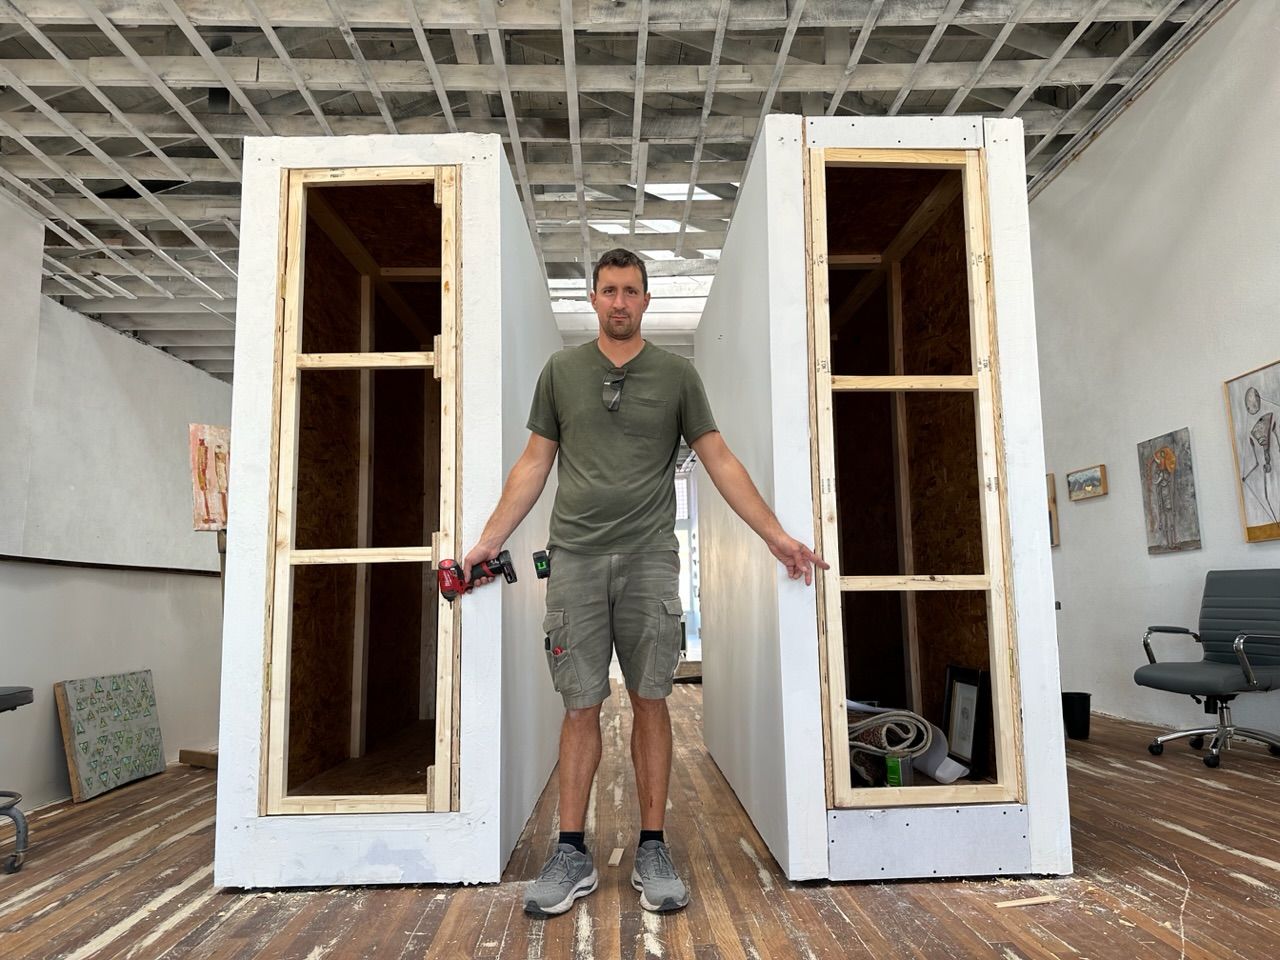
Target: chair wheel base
point(1197, 743)
point(1155, 748)
point(14, 863)
point(1212, 760)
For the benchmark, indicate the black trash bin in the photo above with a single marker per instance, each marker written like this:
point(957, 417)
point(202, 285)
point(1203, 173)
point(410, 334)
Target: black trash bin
point(1075, 715)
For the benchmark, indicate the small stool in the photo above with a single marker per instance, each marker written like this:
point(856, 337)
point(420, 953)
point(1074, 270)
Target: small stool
point(11, 698)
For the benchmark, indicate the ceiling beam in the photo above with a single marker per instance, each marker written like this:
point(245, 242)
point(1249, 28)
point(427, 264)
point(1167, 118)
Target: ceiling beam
point(254, 73)
point(210, 171)
point(357, 55)
point(605, 18)
point(424, 49)
point(1098, 84)
point(713, 72)
point(152, 79)
point(286, 61)
point(1016, 13)
point(1030, 87)
point(944, 20)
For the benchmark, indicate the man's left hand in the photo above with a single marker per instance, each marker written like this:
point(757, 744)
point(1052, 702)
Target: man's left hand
point(797, 558)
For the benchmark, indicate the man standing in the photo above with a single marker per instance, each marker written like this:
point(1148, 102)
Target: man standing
point(614, 410)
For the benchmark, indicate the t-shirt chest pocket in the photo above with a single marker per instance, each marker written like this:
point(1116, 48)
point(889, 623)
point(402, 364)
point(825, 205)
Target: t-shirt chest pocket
point(643, 416)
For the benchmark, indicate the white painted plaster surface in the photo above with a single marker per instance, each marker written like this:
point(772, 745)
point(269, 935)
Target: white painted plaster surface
point(1156, 258)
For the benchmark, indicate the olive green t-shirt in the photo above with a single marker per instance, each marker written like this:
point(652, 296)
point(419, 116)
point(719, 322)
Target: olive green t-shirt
point(617, 469)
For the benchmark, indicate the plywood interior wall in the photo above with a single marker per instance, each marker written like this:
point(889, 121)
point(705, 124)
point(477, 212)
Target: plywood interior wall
point(867, 209)
point(396, 227)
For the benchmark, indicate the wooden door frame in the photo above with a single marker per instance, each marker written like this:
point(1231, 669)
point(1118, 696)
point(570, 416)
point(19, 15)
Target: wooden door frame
point(444, 362)
point(983, 383)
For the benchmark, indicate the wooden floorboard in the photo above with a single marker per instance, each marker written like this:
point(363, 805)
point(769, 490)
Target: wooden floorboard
point(1173, 860)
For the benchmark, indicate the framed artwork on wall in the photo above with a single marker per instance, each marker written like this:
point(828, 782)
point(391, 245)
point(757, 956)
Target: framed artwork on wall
point(1253, 414)
point(1169, 493)
point(1087, 483)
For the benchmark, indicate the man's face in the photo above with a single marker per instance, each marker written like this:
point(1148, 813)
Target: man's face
point(620, 301)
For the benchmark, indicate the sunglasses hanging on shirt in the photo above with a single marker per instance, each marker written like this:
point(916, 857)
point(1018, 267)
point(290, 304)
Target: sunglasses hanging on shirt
point(613, 389)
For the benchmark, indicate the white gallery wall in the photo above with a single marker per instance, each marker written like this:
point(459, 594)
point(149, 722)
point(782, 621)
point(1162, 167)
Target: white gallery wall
point(94, 472)
point(1156, 259)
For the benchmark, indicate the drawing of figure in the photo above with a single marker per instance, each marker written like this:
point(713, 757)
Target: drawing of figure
point(202, 476)
point(220, 471)
point(1164, 513)
point(1258, 475)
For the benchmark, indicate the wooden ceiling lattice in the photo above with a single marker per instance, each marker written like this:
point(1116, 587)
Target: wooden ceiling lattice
point(628, 122)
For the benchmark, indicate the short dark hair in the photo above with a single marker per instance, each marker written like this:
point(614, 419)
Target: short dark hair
point(618, 257)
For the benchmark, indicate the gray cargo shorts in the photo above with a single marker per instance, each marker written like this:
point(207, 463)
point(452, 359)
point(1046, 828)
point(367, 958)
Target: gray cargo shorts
point(629, 602)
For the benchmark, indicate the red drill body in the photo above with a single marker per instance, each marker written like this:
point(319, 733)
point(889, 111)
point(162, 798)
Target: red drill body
point(452, 585)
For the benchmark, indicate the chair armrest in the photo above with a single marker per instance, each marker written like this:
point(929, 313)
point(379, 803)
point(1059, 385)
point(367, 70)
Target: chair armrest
point(1238, 646)
point(1146, 638)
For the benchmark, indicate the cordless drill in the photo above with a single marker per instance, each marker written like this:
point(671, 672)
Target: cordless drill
point(449, 574)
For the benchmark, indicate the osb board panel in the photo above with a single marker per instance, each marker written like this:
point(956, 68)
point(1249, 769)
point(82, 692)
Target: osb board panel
point(867, 206)
point(398, 767)
point(110, 729)
point(398, 223)
point(942, 463)
point(935, 300)
point(328, 474)
point(868, 544)
point(861, 347)
point(330, 297)
point(424, 299)
point(320, 669)
point(401, 492)
point(874, 667)
point(952, 626)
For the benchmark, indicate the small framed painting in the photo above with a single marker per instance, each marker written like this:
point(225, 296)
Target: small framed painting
point(1087, 483)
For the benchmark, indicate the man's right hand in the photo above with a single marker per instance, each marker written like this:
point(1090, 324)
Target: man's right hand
point(476, 555)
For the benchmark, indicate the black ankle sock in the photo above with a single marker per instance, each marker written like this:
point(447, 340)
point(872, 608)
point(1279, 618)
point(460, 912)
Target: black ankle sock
point(575, 840)
point(651, 835)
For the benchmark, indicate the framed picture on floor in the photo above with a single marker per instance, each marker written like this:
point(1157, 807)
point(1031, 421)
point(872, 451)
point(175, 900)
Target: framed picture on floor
point(966, 714)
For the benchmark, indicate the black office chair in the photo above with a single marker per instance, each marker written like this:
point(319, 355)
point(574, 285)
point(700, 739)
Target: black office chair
point(1240, 634)
point(11, 698)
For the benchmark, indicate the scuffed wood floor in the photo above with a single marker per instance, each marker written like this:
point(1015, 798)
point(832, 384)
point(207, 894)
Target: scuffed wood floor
point(1173, 860)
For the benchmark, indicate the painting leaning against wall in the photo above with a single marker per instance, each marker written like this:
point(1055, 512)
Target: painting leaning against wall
point(1169, 493)
point(1253, 412)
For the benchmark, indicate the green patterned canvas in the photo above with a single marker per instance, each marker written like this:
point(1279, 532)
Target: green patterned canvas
point(111, 730)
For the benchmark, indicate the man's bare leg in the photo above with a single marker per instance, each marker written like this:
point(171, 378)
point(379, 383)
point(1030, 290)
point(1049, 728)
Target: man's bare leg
point(651, 756)
point(579, 757)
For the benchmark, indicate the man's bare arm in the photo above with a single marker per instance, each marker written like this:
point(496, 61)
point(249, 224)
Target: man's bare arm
point(519, 494)
point(735, 485)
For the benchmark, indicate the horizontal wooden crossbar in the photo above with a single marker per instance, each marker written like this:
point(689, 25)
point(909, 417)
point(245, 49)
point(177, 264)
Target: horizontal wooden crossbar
point(907, 383)
point(363, 555)
point(911, 159)
point(366, 361)
point(917, 583)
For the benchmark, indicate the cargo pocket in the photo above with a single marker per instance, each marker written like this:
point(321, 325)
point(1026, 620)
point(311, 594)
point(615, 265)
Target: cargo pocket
point(666, 648)
point(564, 671)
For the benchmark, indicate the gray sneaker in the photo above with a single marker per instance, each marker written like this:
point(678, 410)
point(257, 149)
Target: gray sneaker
point(661, 889)
point(567, 876)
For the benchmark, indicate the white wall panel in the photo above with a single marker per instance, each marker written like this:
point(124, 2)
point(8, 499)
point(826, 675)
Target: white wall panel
point(1156, 279)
